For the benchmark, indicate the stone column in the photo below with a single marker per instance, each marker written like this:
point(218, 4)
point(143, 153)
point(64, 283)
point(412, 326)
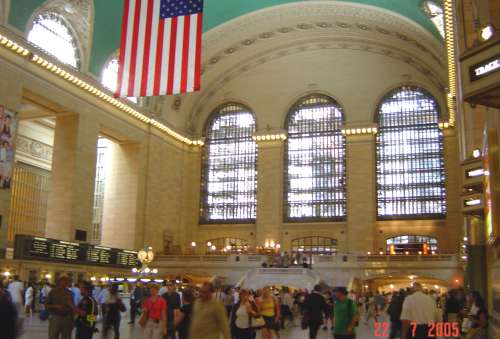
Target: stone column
point(120, 196)
point(269, 191)
point(361, 193)
point(71, 191)
point(476, 270)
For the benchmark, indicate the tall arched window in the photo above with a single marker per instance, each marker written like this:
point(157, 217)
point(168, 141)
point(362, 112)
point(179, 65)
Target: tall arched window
point(110, 77)
point(315, 184)
point(51, 33)
point(410, 163)
point(229, 167)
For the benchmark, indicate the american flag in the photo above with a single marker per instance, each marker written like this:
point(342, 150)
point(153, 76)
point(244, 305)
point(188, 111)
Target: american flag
point(160, 49)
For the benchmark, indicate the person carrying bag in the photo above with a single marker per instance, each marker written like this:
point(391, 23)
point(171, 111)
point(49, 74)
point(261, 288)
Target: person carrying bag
point(244, 317)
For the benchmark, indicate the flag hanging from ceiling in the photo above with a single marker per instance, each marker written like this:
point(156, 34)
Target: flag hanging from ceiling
point(160, 50)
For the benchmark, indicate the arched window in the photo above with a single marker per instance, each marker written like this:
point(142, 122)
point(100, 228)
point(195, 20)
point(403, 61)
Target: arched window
point(226, 245)
point(410, 164)
point(412, 244)
point(309, 246)
point(435, 12)
point(51, 33)
point(110, 77)
point(315, 184)
point(229, 167)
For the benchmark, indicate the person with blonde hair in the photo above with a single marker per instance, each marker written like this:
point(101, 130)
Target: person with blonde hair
point(269, 308)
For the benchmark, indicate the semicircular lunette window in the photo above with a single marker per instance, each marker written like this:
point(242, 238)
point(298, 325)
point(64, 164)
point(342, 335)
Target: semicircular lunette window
point(410, 157)
point(51, 33)
point(316, 164)
point(229, 168)
point(412, 244)
point(110, 77)
point(435, 12)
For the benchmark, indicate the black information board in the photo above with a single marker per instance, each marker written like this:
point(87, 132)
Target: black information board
point(36, 248)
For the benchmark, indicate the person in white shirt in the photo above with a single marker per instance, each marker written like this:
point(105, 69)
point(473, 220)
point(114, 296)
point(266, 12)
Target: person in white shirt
point(419, 310)
point(16, 289)
point(163, 289)
point(29, 294)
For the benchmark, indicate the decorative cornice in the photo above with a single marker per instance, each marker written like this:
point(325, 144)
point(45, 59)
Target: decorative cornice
point(251, 40)
point(449, 24)
point(34, 152)
point(80, 81)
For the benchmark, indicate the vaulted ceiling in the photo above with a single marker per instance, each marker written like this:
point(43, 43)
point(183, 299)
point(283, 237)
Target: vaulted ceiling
point(107, 18)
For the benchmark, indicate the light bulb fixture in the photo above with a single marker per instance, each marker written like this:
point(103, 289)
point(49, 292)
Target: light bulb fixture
point(193, 244)
point(48, 276)
point(209, 244)
point(147, 270)
point(154, 271)
point(6, 274)
point(93, 278)
point(476, 153)
point(213, 247)
point(487, 32)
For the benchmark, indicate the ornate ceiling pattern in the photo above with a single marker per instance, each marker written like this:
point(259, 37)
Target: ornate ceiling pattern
point(275, 33)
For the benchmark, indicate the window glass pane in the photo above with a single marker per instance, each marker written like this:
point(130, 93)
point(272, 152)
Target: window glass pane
point(410, 163)
point(436, 14)
point(50, 33)
point(230, 176)
point(316, 160)
point(110, 77)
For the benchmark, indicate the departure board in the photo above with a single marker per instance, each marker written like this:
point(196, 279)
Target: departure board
point(36, 248)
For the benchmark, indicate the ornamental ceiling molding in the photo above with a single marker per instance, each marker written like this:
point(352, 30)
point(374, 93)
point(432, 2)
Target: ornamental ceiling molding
point(338, 24)
point(80, 14)
point(336, 16)
point(310, 45)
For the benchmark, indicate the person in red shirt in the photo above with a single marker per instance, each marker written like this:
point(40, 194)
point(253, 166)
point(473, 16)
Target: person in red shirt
point(155, 311)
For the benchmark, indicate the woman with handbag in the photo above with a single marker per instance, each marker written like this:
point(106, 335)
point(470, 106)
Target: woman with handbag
point(270, 310)
point(242, 317)
point(154, 315)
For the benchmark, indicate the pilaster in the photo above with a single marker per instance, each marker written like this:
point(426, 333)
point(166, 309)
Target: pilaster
point(361, 192)
point(270, 169)
point(72, 180)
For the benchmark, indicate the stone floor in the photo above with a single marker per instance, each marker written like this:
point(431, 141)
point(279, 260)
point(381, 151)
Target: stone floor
point(35, 329)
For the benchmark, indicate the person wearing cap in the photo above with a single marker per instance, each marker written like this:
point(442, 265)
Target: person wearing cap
point(418, 311)
point(346, 315)
point(60, 306)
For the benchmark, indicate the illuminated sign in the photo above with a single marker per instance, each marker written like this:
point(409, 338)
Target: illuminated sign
point(37, 248)
point(485, 68)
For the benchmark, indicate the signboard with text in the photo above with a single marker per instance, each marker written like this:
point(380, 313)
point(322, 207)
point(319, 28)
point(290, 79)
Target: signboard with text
point(37, 248)
point(485, 68)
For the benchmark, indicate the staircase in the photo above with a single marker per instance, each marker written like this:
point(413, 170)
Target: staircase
point(293, 277)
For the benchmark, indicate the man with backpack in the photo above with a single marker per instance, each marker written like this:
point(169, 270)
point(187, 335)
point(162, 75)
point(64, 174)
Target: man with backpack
point(346, 316)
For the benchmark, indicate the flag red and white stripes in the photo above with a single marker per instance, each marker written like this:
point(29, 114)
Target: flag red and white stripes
point(158, 55)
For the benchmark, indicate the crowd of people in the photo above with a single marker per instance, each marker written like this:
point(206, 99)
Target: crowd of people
point(237, 313)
